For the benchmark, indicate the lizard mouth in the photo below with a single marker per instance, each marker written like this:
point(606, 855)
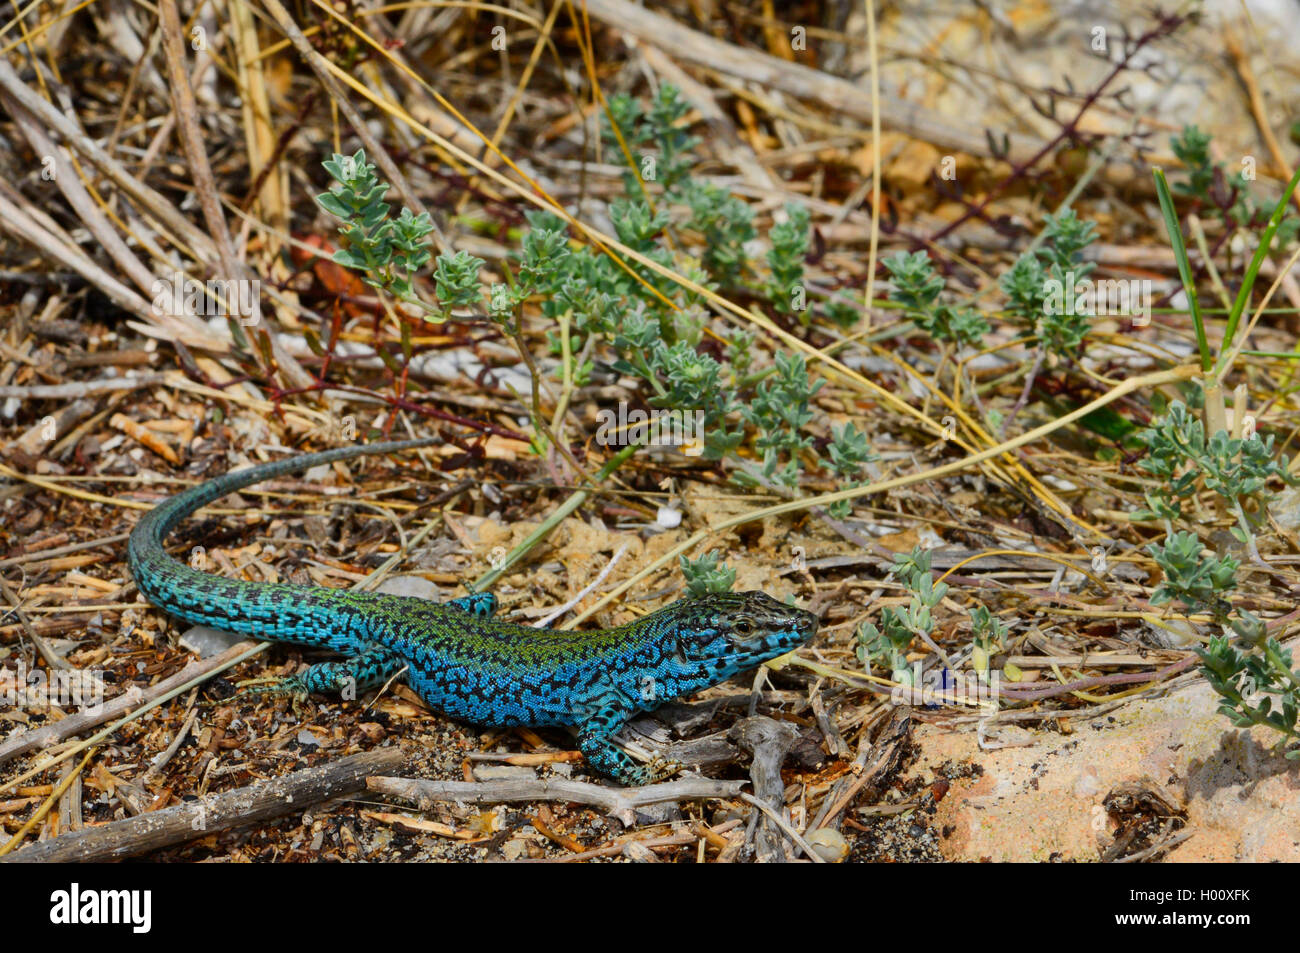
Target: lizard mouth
point(809, 627)
point(801, 629)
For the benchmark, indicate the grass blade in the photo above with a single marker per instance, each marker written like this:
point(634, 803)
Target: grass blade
point(1175, 231)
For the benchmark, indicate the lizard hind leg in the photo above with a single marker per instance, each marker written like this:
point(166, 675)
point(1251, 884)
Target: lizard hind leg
point(346, 677)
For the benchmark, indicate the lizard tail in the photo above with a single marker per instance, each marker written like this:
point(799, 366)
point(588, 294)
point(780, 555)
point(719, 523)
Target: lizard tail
point(206, 598)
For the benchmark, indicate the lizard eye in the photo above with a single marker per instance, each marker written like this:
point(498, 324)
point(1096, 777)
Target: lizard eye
point(744, 627)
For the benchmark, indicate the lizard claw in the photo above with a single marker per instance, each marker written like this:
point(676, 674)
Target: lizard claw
point(292, 685)
point(659, 769)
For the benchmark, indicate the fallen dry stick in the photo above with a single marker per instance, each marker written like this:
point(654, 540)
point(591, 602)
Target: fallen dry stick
point(616, 801)
point(769, 741)
point(144, 437)
point(76, 389)
point(874, 763)
point(263, 801)
point(51, 734)
point(832, 93)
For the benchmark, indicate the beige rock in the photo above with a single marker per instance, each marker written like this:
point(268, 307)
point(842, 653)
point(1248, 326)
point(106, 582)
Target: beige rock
point(1242, 798)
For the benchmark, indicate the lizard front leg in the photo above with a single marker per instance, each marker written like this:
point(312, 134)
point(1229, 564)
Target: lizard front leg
point(596, 741)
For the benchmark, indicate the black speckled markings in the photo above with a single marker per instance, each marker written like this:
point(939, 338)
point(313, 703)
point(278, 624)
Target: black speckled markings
point(457, 657)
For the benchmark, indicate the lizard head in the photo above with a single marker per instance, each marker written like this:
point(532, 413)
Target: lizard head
point(721, 634)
